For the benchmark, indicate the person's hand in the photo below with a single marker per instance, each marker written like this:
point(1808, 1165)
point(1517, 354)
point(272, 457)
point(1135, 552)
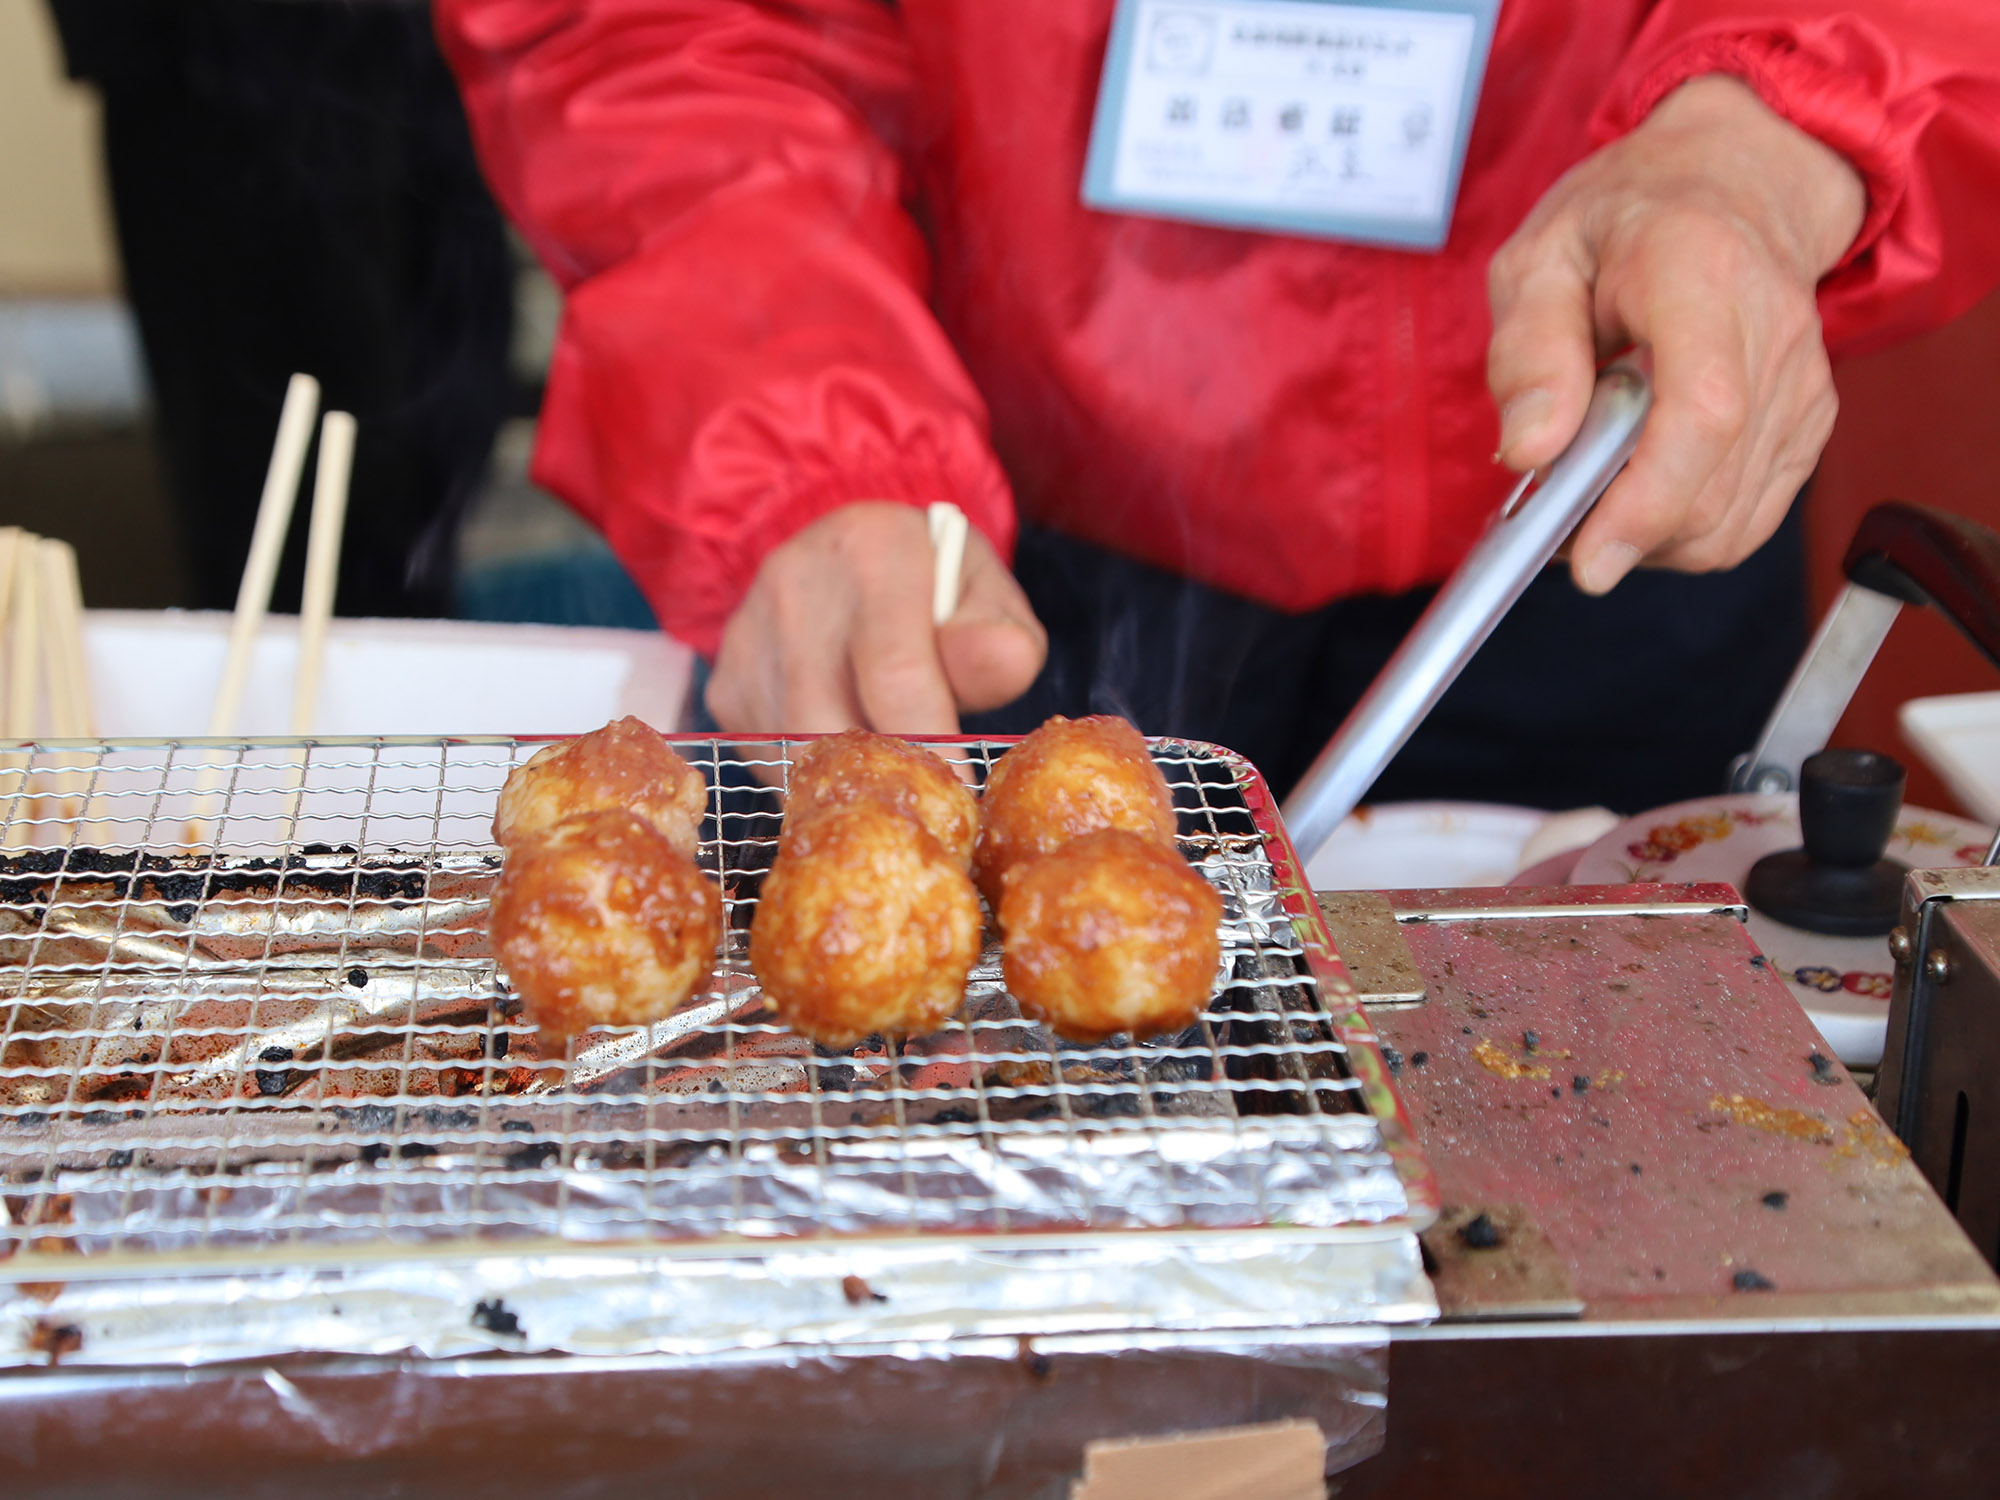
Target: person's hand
point(835, 633)
point(1703, 234)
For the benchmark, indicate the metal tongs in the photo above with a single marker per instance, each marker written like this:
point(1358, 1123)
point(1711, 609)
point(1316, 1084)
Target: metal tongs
point(1526, 534)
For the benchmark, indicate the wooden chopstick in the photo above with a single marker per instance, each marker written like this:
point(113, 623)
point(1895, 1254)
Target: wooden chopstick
point(253, 594)
point(23, 643)
point(267, 544)
point(948, 528)
point(24, 638)
point(329, 519)
point(68, 679)
point(62, 628)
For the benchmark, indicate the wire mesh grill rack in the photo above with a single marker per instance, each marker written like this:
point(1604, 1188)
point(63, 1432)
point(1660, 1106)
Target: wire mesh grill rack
point(248, 1014)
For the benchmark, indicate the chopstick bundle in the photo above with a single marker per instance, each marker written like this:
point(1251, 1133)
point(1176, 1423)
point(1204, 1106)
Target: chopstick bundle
point(41, 623)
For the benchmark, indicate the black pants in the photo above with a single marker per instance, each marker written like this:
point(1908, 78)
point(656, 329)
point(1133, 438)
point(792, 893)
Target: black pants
point(295, 189)
point(1629, 701)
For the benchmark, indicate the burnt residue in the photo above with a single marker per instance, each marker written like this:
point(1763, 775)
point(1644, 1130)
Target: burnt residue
point(1036, 1363)
point(858, 1292)
point(1747, 1280)
point(1479, 1233)
point(54, 1338)
point(1776, 1198)
point(182, 882)
point(1822, 1068)
point(273, 1081)
point(496, 1317)
point(531, 1156)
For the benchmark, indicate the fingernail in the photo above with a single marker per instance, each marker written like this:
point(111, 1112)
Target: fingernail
point(1523, 416)
point(1599, 573)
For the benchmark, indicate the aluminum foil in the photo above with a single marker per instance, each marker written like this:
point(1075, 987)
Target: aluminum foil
point(837, 1295)
point(302, 1069)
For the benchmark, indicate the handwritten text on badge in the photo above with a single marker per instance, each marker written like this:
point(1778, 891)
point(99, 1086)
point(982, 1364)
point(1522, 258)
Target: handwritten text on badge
point(1293, 109)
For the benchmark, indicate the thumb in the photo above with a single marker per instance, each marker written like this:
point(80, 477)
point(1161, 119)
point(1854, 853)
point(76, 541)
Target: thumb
point(992, 647)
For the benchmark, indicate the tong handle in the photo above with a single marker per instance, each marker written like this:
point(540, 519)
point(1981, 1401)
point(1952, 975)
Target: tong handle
point(1518, 544)
point(1925, 556)
point(1901, 554)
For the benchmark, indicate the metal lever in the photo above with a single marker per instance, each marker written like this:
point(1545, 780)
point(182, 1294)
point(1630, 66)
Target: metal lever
point(1901, 554)
point(1522, 539)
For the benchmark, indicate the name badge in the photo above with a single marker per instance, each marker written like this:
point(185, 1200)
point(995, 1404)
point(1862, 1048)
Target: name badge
point(1297, 116)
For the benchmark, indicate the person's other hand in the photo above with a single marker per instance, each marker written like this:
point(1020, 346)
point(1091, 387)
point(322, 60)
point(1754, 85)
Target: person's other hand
point(1703, 234)
point(835, 633)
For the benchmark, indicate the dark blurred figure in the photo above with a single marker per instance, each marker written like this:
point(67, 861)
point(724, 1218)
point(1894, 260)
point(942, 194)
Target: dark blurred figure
point(295, 189)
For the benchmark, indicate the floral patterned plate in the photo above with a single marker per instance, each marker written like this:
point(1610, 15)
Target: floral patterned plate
point(1843, 983)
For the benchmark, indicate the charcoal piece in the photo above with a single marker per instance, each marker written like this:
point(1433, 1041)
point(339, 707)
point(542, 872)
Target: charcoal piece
point(496, 1317)
point(358, 977)
point(1394, 1059)
point(1419, 1059)
point(1776, 1198)
point(1747, 1280)
point(835, 1078)
point(1479, 1233)
point(1579, 1083)
point(1530, 1040)
point(535, 1154)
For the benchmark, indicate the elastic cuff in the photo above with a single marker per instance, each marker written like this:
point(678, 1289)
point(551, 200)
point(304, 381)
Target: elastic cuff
point(1826, 103)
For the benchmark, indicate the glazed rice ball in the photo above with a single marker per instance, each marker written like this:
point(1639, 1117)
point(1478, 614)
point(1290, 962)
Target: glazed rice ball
point(858, 766)
point(866, 924)
point(1070, 777)
point(625, 765)
point(1111, 933)
point(602, 921)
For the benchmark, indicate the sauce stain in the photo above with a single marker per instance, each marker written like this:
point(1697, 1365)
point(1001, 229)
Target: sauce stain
point(1792, 1123)
point(1495, 1060)
point(1865, 1135)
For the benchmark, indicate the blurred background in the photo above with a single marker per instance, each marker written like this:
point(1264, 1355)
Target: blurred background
point(262, 188)
point(198, 199)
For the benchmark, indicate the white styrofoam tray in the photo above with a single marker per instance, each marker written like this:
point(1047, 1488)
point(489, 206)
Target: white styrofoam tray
point(153, 674)
point(1959, 735)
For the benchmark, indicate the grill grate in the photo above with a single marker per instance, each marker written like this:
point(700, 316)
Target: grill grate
point(294, 1037)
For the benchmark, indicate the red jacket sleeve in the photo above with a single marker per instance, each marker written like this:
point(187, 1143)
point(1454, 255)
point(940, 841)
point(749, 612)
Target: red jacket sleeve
point(745, 341)
point(1907, 90)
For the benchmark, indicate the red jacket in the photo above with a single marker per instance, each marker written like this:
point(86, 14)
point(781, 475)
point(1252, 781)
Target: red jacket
point(819, 251)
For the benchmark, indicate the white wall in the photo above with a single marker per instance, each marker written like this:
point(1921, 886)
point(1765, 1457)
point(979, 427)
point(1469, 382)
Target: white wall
point(55, 235)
